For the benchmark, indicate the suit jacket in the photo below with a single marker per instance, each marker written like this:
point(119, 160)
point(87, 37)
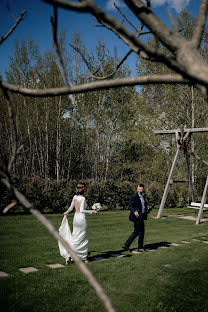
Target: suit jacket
point(136, 205)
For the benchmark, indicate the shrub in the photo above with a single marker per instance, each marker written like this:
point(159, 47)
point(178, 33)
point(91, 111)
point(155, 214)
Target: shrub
point(6, 197)
point(59, 196)
point(124, 191)
point(95, 193)
point(154, 193)
point(110, 193)
point(34, 191)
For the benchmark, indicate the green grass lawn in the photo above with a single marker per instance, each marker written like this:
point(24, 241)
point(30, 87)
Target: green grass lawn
point(167, 279)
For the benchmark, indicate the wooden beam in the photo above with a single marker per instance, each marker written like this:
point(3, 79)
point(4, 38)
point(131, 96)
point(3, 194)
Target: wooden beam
point(179, 181)
point(168, 183)
point(191, 130)
point(203, 201)
point(191, 184)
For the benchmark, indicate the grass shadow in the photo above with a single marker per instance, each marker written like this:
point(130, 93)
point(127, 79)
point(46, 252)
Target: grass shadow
point(116, 253)
point(107, 255)
point(157, 245)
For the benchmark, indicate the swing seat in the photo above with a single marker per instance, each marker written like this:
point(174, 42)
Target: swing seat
point(197, 206)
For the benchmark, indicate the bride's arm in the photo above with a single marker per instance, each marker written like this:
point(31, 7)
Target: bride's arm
point(83, 205)
point(71, 207)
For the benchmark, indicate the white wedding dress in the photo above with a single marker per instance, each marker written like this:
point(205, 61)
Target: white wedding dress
point(78, 239)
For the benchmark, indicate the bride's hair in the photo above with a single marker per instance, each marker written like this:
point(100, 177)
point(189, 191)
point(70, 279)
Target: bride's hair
point(80, 188)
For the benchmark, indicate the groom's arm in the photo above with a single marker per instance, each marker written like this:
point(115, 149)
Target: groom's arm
point(131, 204)
point(132, 207)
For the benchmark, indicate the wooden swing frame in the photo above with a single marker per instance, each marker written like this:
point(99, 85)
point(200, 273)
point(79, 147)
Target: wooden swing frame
point(183, 137)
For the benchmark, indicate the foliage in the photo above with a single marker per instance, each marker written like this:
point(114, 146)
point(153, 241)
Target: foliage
point(154, 192)
point(34, 191)
point(57, 197)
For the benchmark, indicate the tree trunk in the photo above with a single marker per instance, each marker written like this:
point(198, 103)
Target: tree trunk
point(58, 141)
point(46, 147)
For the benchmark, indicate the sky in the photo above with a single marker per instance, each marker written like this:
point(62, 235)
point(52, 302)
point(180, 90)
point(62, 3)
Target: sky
point(36, 24)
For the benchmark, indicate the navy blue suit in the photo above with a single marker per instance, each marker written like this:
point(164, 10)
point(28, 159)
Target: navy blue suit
point(136, 205)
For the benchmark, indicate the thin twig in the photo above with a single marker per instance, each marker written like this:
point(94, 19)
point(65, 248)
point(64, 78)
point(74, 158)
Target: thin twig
point(89, 66)
point(174, 27)
point(19, 149)
point(10, 206)
point(126, 18)
point(77, 49)
point(145, 33)
point(3, 38)
point(51, 229)
point(56, 45)
point(92, 75)
point(123, 38)
point(122, 60)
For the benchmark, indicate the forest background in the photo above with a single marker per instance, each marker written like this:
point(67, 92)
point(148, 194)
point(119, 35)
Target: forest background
point(105, 138)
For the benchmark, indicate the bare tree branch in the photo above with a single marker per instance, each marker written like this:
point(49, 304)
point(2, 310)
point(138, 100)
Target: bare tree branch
point(145, 32)
point(116, 67)
point(123, 38)
point(97, 85)
point(187, 61)
point(109, 21)
point(56, 45)
point(175, 29)
point(51, 229)
point(192, 153)
point(126, 18)
point(74, 6)
point(158, 28)
point(89, 66)
point(200, 23)
point(122, 60)
point(10, 206)
point(3, 38)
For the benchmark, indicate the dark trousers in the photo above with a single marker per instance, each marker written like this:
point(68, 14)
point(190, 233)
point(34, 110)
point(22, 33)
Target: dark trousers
point(138, 231)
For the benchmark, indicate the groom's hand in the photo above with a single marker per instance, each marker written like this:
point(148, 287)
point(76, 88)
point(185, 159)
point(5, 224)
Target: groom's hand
point(150, 207)
point(136, 213)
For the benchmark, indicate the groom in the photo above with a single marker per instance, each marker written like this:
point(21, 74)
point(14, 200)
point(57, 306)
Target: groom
point(138, 214)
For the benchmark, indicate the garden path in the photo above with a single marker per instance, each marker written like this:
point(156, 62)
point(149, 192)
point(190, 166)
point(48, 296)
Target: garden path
point(27, 270)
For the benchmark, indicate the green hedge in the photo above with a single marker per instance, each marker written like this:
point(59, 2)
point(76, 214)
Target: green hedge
point(55, 197)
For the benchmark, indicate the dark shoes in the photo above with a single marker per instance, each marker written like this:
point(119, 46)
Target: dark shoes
point(69, 260)
point(141, 250)
point(126, 248)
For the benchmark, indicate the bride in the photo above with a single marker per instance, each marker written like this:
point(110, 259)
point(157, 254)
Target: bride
point(78, 239)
